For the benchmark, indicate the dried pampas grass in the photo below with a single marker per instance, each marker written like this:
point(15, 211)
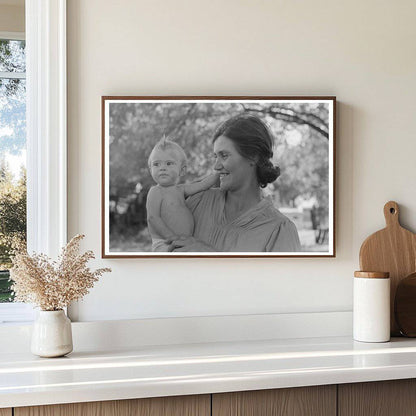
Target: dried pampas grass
point(52, 285)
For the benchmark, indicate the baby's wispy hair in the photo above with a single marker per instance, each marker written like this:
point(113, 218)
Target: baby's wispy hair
point(167, 143)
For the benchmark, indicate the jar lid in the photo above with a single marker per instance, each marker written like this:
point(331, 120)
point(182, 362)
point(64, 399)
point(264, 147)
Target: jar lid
point(372, 275)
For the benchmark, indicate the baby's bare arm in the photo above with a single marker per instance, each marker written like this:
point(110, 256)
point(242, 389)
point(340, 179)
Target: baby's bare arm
point(153, 206)
point(203, 185)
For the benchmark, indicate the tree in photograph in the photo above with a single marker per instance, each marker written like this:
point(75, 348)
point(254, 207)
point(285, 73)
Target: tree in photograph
point(302, 150)
point(314, 116)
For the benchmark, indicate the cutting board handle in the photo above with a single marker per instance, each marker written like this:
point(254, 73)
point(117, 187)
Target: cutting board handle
point(391, 214)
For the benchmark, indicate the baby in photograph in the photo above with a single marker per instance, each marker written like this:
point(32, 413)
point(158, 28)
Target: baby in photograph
point(168, 217)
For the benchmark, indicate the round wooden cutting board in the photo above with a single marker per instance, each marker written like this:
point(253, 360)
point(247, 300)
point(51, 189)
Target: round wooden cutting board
point(393, 250)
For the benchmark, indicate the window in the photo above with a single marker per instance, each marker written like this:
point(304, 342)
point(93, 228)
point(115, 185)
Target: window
point(45, 135)
point(12, 154)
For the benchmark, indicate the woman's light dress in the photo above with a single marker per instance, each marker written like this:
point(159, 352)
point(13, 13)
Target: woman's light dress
point(262, 228)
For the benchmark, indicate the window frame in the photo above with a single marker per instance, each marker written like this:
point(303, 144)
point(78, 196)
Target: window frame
point(46, 129)
point(46, 125)
point(12, 35)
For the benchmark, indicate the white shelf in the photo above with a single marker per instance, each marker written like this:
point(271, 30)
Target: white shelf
point(150, 371)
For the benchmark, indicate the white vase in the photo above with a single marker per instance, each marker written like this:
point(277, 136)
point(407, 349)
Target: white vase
point(52, 334)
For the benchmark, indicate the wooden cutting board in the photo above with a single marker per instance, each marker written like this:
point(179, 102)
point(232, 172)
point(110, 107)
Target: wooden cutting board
point(393, 250)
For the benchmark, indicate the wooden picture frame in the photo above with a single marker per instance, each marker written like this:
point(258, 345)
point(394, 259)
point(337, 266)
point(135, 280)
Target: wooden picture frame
point(301, 199)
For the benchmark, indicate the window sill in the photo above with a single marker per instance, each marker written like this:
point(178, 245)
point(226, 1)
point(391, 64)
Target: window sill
point(16, 313)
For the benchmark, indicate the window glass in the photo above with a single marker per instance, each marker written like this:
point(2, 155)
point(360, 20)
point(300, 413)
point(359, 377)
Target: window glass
point(12, 55)
point(12, 155)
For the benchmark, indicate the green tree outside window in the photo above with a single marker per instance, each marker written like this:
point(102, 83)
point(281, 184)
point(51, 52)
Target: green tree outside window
point(12, 147)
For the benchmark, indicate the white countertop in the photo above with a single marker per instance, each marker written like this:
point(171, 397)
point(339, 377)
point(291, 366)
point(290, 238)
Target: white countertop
point(214, 367)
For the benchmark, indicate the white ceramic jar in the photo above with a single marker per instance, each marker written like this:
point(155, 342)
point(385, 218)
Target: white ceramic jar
point(371, 307)
point(52, 334)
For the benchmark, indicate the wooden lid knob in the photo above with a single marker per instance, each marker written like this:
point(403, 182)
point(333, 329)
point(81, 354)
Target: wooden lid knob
point(372, 275)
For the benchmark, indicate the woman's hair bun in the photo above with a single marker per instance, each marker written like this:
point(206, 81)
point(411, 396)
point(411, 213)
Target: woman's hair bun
point(267, 172)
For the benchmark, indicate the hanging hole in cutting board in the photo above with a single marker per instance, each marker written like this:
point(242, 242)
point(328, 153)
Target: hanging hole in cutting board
point(392, 211)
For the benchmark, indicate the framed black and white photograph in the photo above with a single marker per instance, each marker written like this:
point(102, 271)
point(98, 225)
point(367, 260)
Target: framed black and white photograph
point(218, 177)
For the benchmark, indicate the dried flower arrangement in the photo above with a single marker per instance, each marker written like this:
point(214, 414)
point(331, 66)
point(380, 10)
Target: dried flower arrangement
point(52, 285)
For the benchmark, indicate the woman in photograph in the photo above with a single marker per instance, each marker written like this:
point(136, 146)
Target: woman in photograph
point(236, 217)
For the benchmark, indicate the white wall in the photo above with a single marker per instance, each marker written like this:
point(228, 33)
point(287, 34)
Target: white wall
point(361, 51)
